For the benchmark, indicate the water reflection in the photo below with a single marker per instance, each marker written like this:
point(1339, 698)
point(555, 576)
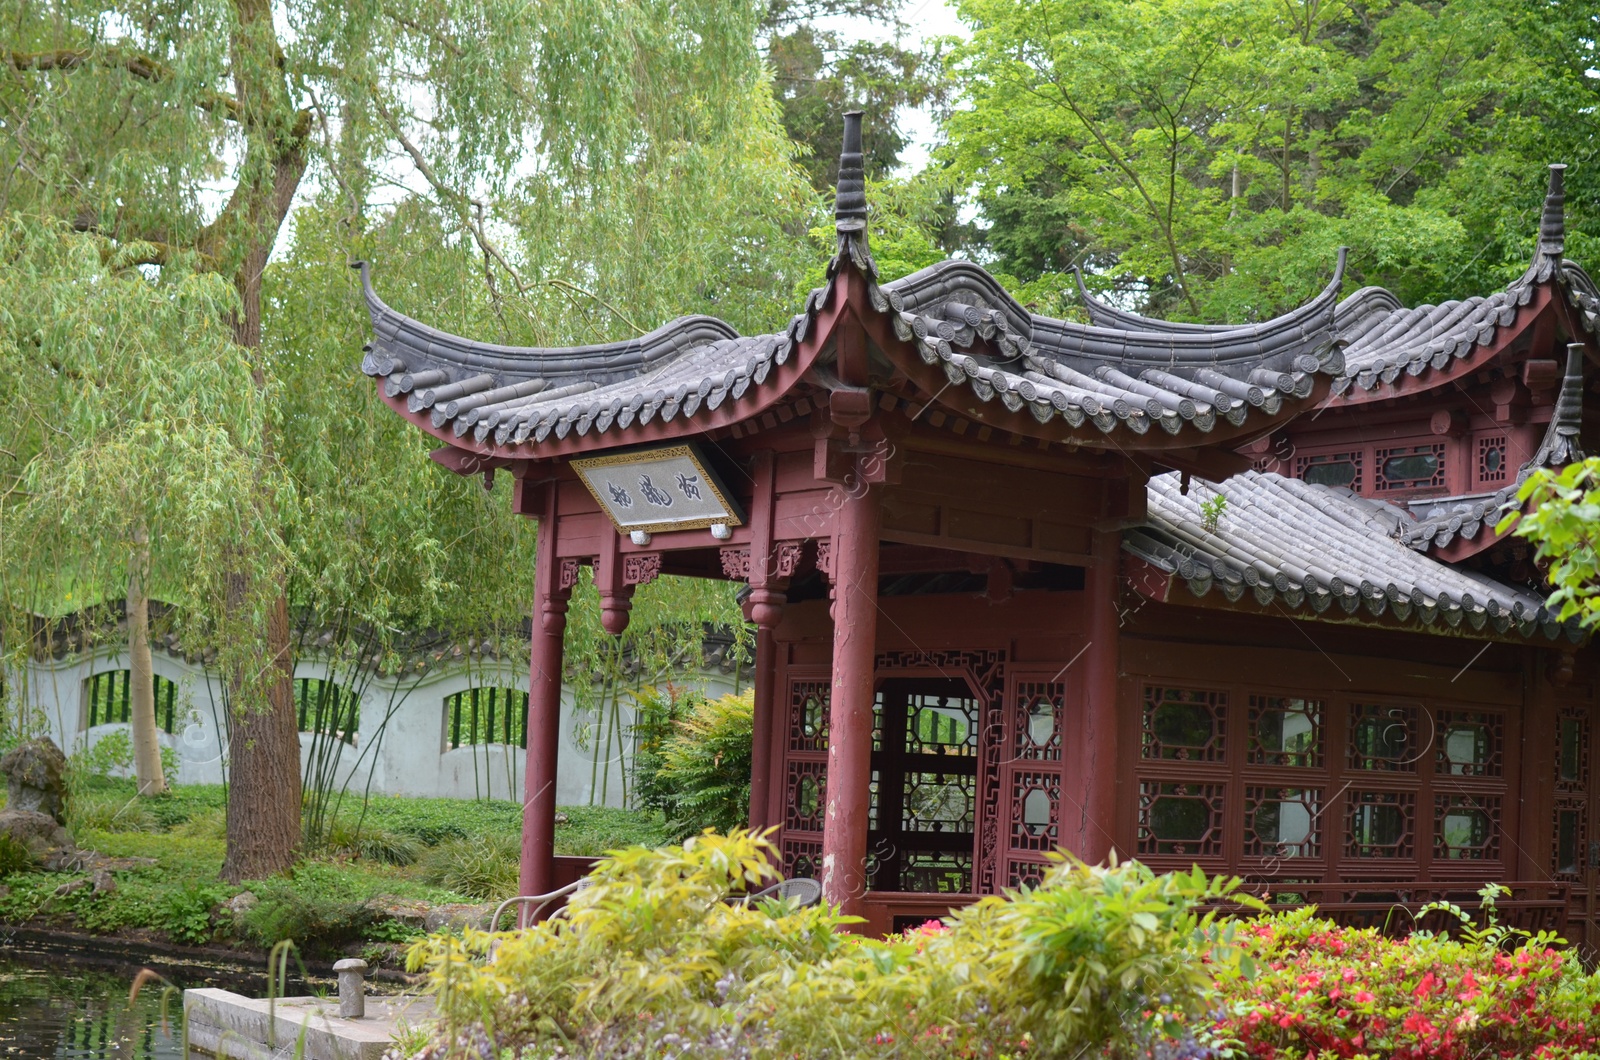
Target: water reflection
point(74, 1014)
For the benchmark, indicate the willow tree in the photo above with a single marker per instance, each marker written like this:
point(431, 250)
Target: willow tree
point(181, 136)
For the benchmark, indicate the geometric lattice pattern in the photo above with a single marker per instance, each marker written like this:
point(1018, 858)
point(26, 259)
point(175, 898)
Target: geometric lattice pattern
point(1331, 469)
point(806, 796)
point(1570, 837)
point(1285, 731)
point(1572, 749)
point(1409, 467)
point(1025, 873)
point(1383, 738)
point(939, 802)
point(802, 857)
point(1282, 822)
point(1380, 824)
point(1182, 819)
point(1184, 724)
point(1491, 464)
point(936, 871)
point(808, 715)
point(1039, 709)
point(1466, 827)
point(1035, 810)
point(1468, 743)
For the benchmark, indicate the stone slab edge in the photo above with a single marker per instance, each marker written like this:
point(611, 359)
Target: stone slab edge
point(233, 1026)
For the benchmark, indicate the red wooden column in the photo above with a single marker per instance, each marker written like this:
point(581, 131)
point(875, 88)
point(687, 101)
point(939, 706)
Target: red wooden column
point(1100, 763)
point(855, 619)
point(765, 609)
point(537, 875)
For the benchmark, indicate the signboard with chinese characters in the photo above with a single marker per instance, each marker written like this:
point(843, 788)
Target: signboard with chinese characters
point(658, 489)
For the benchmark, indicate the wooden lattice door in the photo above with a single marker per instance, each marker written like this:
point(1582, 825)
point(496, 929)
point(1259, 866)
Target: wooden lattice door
point(923, 819)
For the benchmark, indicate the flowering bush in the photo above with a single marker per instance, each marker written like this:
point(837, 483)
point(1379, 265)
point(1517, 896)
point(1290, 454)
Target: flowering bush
point(1320, 991)
point(653, 960)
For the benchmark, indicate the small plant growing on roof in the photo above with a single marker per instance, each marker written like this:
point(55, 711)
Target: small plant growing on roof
point(1211, 512)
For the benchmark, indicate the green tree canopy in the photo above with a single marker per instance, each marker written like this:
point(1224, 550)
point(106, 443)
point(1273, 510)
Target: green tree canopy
point(1205, 158)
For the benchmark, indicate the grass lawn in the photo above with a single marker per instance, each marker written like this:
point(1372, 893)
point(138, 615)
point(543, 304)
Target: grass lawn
point(395, 851)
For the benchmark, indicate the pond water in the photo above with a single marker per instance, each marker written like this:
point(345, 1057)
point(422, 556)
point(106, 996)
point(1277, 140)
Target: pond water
point(59, 1012)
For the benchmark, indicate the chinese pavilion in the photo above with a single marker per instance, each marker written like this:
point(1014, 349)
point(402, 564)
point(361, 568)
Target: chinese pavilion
point(1219, 595)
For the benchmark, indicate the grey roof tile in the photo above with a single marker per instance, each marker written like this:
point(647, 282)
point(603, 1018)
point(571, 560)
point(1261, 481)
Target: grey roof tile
point(1305, 546)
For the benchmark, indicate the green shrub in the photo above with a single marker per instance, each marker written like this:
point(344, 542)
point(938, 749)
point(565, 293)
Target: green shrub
point(696, 764)
point(105, 811)
point(14, 857)
point(205, 824)
point(652, 960)
point(482, 866)
point(346, 839)
point(316, 906)
point(185, 913)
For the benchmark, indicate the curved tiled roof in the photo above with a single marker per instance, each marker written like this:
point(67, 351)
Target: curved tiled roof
point(957, 317)
point(1442, 520)
point(1384, 339)
point(1303, 545)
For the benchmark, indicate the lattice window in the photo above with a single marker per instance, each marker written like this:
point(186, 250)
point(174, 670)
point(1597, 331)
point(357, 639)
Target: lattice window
point(802, 857)
point(1285, 731)
point(1408, 467)
point(1380, 824)
point(808, 715)
point(1035, 810)
point(1282, 822)
point(939, 725)
point(1466, 827)
point(936, 871)
point(1570, 838)
point(806, 796)
point(1039, 714)
point(1491, 464)
point(1469, 743)
point(322, 706)
point(1572, 749)
point(1383, 738)
point(1021, 874)
point(1331, 469)
point(1184, 724)
point(939, 802)
point(491, 715)
point(109, 699)
point(1177, 818)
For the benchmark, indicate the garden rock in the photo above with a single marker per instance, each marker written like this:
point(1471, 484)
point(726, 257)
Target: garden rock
point(104, 882)
point(455, 916)
point(411, 913)
point(42, 836)
point(232, 912)
point(36, 778)
point(72, 886)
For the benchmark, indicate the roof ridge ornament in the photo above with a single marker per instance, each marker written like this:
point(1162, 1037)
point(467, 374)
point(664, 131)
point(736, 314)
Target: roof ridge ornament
point(1552, 244)
point(850, 191)
point(1553, 223)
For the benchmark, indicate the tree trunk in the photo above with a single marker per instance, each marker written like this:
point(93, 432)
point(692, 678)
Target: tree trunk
point(141, 686)
point(263, 758)
point(264, 793)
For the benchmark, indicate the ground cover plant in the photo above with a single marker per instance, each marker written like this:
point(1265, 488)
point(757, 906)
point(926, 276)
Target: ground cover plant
point(658, 958)
point(1322, 991)
point(400, 854)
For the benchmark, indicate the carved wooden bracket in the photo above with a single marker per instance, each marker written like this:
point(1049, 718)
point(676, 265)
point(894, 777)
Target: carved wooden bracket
point(568, 575)
point(786, 558)
point(641, 569)
point(736, 563)
point(825, 558)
